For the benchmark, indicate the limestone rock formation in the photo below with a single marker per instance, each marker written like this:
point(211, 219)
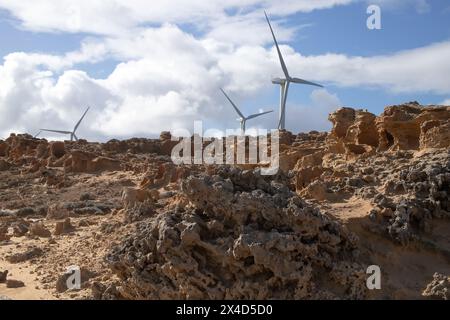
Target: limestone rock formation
point(409, 126)
point(239, 235)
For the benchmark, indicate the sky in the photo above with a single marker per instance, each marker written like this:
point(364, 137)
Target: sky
point(145, 67)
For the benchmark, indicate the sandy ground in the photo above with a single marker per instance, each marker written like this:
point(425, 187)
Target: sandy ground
point(406, 271)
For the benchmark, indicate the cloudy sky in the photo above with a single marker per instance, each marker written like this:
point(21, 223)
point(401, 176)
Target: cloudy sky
point(147, 66)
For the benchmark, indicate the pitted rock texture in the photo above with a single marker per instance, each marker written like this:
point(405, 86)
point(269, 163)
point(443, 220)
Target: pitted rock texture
point(439, 288)
point(237, 235)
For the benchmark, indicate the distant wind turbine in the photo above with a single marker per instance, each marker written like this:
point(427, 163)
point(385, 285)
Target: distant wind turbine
point(242, 118)
point(284, 83)
point(72, 133)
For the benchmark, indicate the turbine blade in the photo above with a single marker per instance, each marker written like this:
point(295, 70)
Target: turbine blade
point(57, 131)
point(232, 103)
point(82, 117)
point(258, 114)
point(280, 56)
point(297, 80)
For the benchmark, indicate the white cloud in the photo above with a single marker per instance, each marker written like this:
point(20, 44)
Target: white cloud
point(119, 16)
point(168, 78)
point(421, 6)
point(421, 70)
point(445, 102)
point(313, 116)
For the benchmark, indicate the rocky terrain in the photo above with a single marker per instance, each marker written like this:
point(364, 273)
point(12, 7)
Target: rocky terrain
point(373, 191)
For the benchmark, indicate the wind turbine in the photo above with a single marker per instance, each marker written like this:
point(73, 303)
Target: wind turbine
point(37, 134)
point(243, 119)
point(72, 133)
point(284, 83)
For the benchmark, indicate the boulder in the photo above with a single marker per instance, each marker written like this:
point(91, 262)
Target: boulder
point(13, 284)
point(38, 229)
point(57, 149)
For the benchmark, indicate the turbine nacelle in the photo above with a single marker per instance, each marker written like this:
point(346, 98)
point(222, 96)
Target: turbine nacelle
point(243, 119)
point(279, 81)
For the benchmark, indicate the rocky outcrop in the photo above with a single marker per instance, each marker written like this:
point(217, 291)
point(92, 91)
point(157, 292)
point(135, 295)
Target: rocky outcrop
point(3, 148)
point(408, 126)
point(237, 235)
point(435, 134)
point(57, 149)
point(426, 197)
point(399, 126)
point(83, 161)
point(354, 132)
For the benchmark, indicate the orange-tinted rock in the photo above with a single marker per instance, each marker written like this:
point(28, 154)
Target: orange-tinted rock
point(105, 164)
point(342, 119)
point(400, 127)
point(354, 131)
point(305, 176)
point(57, 149)
point(3, 149)
point(83, 161)
point(363, 131)
point(435, 134)
point(409, 126)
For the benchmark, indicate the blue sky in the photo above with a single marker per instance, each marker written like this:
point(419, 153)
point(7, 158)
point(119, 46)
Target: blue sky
point(147, 67)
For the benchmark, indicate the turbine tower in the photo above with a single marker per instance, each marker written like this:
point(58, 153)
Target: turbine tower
point(242, 118)
point(284, 83)
point(72, 133)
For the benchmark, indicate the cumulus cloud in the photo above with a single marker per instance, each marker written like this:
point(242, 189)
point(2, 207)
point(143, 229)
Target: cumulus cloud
point(167, 77)
point(170, 78)
point(423, 69)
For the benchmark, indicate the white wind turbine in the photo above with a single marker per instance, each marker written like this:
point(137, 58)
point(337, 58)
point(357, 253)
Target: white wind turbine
point(284, 83)
point(242, 118)
point(72, 133)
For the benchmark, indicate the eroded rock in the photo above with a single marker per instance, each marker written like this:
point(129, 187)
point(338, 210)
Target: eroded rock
point(260, 242)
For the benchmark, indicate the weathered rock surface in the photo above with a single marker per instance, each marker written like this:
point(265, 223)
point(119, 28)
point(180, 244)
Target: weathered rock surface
point(239, 236)
point(404, 127)
point(439, 288)
point(39, 229)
